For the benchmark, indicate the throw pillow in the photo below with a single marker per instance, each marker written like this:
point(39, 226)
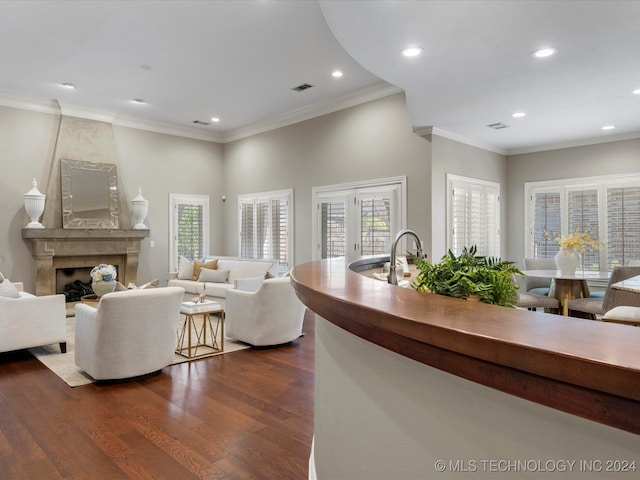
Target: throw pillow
point(185, 269)
point(197, 265)
point(213, 276)
point(8, 289)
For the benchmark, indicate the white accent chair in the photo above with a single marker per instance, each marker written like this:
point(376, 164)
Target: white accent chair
point(30, 321)
point(130, 333)
point(270, 315)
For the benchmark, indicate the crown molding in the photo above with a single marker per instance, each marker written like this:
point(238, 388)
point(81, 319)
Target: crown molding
point(71, 110)
point(423, 131)
point(351, 99)
point(577, 143)
point(169, 129)
point(367, 94)
point(30, 104)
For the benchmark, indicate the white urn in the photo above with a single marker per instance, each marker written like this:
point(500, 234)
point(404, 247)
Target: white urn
point(34, 205)
point(139, 211)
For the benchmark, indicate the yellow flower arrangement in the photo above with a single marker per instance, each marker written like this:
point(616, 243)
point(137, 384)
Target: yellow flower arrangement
point(581, 241)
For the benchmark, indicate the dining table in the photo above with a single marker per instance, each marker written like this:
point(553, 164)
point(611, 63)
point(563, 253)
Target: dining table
point(565, 287)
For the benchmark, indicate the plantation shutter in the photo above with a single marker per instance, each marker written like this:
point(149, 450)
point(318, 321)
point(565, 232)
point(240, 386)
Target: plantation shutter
point(623, 225)
point(265, 222)
point(279, 231)
point(189, 227)
point(474, 216)
point(375, 212)
point(583, 217)
point(546, 224)
point(333, 238)
point(190, 239)
point(247, 243)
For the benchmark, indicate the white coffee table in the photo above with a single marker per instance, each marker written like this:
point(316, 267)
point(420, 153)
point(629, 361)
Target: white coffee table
point(198, 331)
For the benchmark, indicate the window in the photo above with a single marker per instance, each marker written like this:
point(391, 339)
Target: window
point(473, 215)
point(607, 208)
point(358, 218)
point(189, 227)
point(265, 227)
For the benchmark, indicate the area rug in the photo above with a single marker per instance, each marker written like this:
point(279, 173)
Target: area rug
point(63, 364)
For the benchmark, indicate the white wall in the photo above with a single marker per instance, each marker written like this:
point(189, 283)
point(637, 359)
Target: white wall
point(449, 156)
point(366, 142)
point(591, 160)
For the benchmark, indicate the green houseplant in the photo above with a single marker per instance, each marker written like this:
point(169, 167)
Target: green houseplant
point(489, 278)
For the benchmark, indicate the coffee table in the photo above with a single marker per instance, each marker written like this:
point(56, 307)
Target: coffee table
point(198, 331)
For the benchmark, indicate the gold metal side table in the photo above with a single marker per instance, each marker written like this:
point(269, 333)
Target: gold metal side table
point(198, 330)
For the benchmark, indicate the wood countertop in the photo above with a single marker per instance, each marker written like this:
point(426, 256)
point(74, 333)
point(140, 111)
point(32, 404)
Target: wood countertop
point(587, 368)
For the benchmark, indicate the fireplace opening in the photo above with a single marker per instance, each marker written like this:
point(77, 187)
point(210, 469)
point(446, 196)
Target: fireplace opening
point(74, 283)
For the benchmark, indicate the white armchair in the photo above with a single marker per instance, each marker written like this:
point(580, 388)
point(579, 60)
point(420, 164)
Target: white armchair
point(30, 321)
point(130, 333)
point(272, 315)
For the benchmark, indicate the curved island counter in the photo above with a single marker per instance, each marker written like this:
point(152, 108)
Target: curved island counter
point(419, 386)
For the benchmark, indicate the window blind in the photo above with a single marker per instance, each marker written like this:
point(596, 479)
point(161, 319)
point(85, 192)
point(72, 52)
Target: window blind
point(333, 236)
point(623, 225)
point(607, 208)
point(190, 241)
point(375, 225)
point(265, 223)
point(474, 216)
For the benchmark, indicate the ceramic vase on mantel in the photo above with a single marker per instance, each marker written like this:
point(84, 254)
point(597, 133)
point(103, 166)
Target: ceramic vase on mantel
point(567, 261)
point(139, 211)
point(34, 205)
point(101, 287)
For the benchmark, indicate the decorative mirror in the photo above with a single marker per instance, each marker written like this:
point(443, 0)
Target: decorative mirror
point(89, 194)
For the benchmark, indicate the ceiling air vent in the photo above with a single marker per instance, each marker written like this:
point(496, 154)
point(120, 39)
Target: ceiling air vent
point(200, 122)
point(302, 87)
point(497, 126)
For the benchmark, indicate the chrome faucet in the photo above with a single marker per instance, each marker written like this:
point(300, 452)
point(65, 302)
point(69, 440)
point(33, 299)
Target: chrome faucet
point(392, 278)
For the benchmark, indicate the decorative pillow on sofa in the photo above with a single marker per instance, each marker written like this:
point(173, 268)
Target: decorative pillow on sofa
point(185, 269)
point(213, 276)
point(197, 265)
point(8, 289)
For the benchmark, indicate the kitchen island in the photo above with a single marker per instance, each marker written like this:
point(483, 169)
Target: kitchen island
point(406, 380)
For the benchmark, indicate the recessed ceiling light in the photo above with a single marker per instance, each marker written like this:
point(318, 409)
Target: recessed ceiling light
point(215, 119)
point(145, 67)
point(139, 101)
point(336, 74)
point(608, 127)
point(69, 86)
point(412, 51)
point(544, 52)
point(518, 114)
point(636, 91)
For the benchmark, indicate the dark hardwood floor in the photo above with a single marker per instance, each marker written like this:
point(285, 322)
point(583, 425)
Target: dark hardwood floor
point(243, 415)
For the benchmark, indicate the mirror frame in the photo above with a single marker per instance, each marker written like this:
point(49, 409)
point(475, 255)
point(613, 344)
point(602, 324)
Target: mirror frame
point(71, 219)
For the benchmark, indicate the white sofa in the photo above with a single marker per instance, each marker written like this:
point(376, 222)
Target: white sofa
point(130, 333)
point(272, 315)
point(29, 321)
point(238, 268)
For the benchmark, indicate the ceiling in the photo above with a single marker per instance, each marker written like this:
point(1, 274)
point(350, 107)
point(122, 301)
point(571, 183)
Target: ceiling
point(240, 60)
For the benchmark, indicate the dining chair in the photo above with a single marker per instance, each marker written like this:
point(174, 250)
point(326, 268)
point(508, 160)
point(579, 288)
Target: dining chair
point(538, 285)
point(592, 307)
point(532, 301)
